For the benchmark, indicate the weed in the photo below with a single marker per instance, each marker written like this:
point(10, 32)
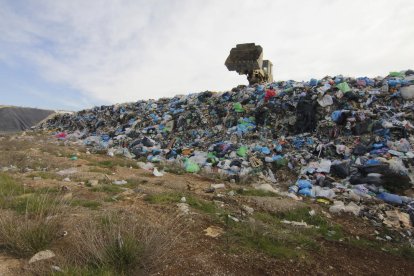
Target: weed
point(110, 164)
point(258, 237)
point(117, 244)
point(33, 203)
point(196, 203)
point(100, 170)
point(134, 182)
point(163, 198)
point(25, 234)
point(9, 186)
point(44, 175)
point(407, 252)
point(107, 188)
point(91, 204)
point(202, 205)
point(255, 192)
point(175, 168)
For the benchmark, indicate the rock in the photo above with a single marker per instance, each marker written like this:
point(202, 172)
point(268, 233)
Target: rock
point(42, 255)
point(184, 208)
point(247, 209)
point(93, 182)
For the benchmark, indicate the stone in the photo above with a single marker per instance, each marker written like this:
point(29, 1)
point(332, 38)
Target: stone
point(42, 255)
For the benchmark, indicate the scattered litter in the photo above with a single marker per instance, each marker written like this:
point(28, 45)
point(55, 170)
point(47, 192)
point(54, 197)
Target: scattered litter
point(119, 182)
point(213, 231)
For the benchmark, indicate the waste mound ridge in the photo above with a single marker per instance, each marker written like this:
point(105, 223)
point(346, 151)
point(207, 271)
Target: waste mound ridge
point(335, 130)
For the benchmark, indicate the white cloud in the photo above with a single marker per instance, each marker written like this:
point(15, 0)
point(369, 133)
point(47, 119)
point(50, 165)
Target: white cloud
point(119, 51)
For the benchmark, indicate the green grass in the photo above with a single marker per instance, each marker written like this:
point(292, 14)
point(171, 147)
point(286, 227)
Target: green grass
point(9, 186)
point(407, 252)
point(91, 204)
point(266, 233)
point(23, 237)
point(47, 190)
point(172, 168)
point(32, 203)
point(123, 255)
point(107, 188)
point(110, 164)
point(44, 175)
point(100, 170)
point(201, 205)
point(163, 198)
point(197, 203)
point(254, 192)
point(257, 237)
point(134, 183)
point(328, 230)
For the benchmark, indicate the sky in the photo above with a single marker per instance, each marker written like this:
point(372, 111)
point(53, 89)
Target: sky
point(76, 54)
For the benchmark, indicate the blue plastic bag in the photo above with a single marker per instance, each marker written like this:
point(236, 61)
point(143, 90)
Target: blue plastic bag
point(304, 184)
point(390, 198)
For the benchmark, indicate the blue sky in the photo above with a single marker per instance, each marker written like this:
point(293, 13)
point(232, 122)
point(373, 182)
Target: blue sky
point(76, 54)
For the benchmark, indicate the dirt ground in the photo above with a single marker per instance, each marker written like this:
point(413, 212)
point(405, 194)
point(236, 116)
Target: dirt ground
point(39, 159)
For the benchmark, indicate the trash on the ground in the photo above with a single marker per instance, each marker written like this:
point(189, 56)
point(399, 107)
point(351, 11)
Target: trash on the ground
point(119, 182)
point(297, 223)
point(213, 231)
point(155, 172)
point(218, 186)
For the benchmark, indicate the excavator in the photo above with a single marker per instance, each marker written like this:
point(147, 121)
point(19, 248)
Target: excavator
point(247, 59)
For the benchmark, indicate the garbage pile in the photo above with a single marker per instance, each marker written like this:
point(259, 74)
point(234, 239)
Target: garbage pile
point(347, 141)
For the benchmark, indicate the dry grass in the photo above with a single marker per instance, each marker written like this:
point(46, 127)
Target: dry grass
point(24, 236)
point(118, 243)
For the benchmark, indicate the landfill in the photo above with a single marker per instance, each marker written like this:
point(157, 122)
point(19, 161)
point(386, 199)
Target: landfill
point(347, 142)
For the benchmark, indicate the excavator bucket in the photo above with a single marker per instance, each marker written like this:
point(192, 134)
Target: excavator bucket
point(247, 59)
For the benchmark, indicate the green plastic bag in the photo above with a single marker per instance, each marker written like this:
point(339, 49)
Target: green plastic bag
point(396, 74)
point(344, 87)
point(242, 151)
point(191, 167)
point(238, 107)
point(282, 162)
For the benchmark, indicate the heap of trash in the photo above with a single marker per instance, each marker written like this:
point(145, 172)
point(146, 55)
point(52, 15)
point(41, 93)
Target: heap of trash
point(347, 141)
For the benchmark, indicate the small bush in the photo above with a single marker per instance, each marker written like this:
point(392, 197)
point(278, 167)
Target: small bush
point(24, 237)
point(163, 198)
point(45, 175)
point(118, 244)
point(91, 204)
point(254, 192)
point(9, 186)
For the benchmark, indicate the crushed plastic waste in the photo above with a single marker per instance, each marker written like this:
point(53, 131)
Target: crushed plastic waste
point(345, 141)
